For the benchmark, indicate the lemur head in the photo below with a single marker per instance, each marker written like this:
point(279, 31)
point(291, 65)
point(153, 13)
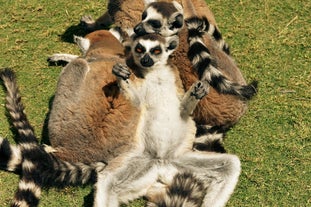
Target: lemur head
point(152, 50)
point(165, 18)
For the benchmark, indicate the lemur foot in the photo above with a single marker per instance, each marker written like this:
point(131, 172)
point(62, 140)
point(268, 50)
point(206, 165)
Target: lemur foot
point(87, 22)
point(121, 71)
point(83, 43)
point(200, 90)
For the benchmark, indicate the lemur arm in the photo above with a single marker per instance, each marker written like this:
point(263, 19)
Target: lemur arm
point(126, 85)
point(192, 97)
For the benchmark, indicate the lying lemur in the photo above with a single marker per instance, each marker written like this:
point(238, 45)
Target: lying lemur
point(88, 111)
point(123, 14)
point(63, 122)
point(160, 157)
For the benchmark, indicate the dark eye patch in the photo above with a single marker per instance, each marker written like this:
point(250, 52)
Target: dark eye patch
point(139, 48)
point(155, 23)
point(156, 50)
point(144, 15)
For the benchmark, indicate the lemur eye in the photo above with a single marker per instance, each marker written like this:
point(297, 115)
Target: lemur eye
point(155, 23)
point(156, 50)
point(139, 48)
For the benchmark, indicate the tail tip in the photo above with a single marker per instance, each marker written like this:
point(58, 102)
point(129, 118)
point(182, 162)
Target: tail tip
point(251, 90)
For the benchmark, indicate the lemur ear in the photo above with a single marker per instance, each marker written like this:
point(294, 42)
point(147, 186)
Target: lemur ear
point(178, 6)
point(172, 43)
point(179, 21)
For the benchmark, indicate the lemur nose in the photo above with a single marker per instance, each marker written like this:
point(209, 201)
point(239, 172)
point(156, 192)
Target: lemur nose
point(146, 61)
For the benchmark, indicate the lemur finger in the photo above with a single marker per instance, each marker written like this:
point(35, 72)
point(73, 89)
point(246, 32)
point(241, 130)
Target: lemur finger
point(121, 71)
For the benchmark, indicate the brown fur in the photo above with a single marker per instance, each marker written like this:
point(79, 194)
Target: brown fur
point(90, 120)
point(215, 109)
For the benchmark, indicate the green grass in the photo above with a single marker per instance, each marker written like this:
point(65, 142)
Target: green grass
point(271, 42)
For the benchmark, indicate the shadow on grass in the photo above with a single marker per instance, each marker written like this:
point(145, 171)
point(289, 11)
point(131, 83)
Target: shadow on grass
point(77, 30)
point(89, 199)
point(45, 129)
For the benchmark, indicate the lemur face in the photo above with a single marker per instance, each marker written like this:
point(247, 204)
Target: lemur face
point(153, 50)
point(162, 18)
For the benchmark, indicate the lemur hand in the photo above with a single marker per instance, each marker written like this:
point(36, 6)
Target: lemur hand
point(121, 71)
point(200, 90)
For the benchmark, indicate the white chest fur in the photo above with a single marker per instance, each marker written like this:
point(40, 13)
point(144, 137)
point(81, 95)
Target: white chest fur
point(161, 126)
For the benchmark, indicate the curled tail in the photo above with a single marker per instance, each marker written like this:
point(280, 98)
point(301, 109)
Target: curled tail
point(212, 30)
point(201, 59)
point(37, 167)
point(184, 190)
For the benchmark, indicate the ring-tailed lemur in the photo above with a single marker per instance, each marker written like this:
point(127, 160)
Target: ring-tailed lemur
point(88, 111)
point(165, 134)
point(161, 158)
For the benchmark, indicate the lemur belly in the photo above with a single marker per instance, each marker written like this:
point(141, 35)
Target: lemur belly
point(162, 127)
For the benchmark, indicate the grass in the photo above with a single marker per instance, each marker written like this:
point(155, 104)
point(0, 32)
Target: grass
point(270, 41)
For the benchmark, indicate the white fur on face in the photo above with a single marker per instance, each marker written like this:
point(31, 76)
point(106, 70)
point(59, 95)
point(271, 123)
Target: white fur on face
point(148, 44)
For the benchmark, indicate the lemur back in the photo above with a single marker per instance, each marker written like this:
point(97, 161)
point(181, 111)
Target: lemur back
point(87, 103)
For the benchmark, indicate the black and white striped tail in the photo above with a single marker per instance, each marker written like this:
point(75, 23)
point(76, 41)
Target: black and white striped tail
point(201, 59)
point(36, 167)
point(16, 109)
point(209, 138)
point(185, 190)
point(211, 30)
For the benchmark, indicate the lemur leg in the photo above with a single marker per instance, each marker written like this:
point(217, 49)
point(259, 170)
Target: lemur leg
point(220, 172)
point(83, 44)
point(131, 179)
point(67, 58)
point(192, 97)
point(126, 85)
point(67, 94)
point(71, 77)
point(90, 25)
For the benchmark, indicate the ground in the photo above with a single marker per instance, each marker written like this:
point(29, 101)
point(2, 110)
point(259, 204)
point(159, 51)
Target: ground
point(270, 41)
